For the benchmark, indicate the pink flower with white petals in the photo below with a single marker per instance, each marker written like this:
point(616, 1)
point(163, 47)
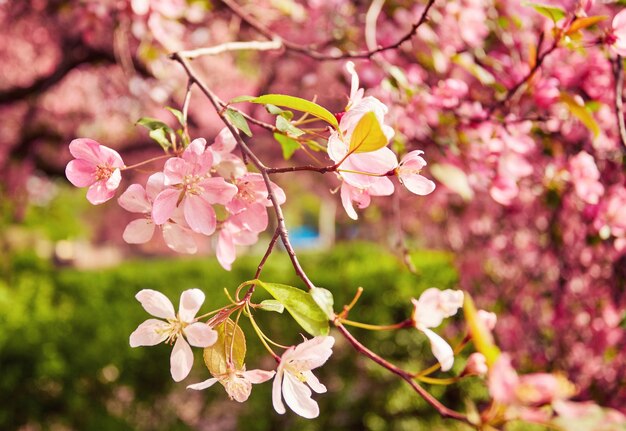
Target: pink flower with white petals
point(408, 172)
point(586, 177)
point(190, 185)
point(362, 196)
point(294, 379)
point(154, 331)
point(617, 35)
point(238, 383)
point(226, 164)
point(176, 233)
point(430, 309)
point(232, 234)
point(251, 199)
point(95, 166)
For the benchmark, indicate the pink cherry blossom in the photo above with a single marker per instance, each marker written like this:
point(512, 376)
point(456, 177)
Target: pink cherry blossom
point(251, 199)
point(95, 166)
point(362, 196)
point(294, 379)
point(585, 176)
point(226, 164)
point(232, 233)
point(176, 233)
point(476, 365)
point(617, 37)
point(449, 93)
point(154, 331)
point(190, 185)
point(430, 309)
point(238, 383)
point(408, 172)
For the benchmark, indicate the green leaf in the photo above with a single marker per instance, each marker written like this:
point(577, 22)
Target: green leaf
point(299, 105)
point(289, 145)
point(324, 298)
point(453, 178)
point(584, 22)
point(367, 135)
point(160, 136)
point(178, 114)
point(242, 99)
point(275, 110)
point(238, 121)
point(466, 61)
point(554, 13)
point(285, 126)
point(582, 113)
point(153, 124)
point(271, 305)
point(215, 356)
point(301, 306)
point(483, 340)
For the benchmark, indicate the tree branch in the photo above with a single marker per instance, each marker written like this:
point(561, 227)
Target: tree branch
point(618, 74)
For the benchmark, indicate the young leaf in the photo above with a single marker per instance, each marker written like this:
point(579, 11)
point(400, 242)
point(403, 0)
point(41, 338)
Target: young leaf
point(289, 145)
point(153, 124)
point(275, 110)
point(178, 114)
point(238, 121)
point(581, 23)
point(324, 298)
point(301, 306)
point(554, 13)
point(299, 105)
point(453, 178)
point(285, 126)
point(241, 99)
point(216, 356)
point(481, 336)
point(582, 113)
point(160, 137)
point(367, 135)
point(271, 305)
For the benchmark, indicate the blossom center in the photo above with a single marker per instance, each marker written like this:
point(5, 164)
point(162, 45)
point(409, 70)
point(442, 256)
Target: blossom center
point(191, 184)
point(103, 172)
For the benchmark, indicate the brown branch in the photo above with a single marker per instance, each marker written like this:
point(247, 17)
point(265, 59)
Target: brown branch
point(282, 228)
point(310, 51)
point(321, 170)
point(269, 250)
point(441, 409)
point(618, 74)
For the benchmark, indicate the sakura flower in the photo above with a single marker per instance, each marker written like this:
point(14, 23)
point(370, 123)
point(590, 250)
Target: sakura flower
point(251, 199)
point(238, 383)
point(476, 365)
point(408, 172)
point(362, 196)
point(176, 232)
point(617, 35)
point(95, 166)
point(154, 331)
point(191, 186)
point(294, 379)
point(430, 309)
point(232, 233)
point(586, 177)
point(226, 164)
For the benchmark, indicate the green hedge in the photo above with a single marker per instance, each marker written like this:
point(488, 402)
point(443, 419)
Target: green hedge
point(65, 358)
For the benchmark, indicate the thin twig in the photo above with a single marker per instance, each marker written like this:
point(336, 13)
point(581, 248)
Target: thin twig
point(310, 51)
point(252, 45)
point(280, 219)
point(270, 247)
point(443, 410)
point(618, 74)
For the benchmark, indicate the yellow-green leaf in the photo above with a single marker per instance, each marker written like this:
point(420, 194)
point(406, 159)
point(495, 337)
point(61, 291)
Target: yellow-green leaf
point(216, 356)
point(588, 21)
point(298, 104)
point(554, 13)
point(367, 135)
point(581, 112)
point(453, 178)
point(301, 306)
point(483, 340)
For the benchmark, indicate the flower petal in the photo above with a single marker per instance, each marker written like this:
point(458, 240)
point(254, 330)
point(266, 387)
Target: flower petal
point(418, 184)
point(190, 302)
point(181, 360)
point(135, 200)
point(311, 353)
point(179, 239)
point(225, 250)
point(258, 376)
point(99, 192)
point(156, 303)
point(86, 149)
point(314, 382)
point(199, 214)
point(138, 231)
point(203, 385)
point(298, 397)
point(149, 333)
point(277, 401)
point(164, 205)
point(80, 173)
point(441, 349)
point(200, 335)
point(218, 191)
